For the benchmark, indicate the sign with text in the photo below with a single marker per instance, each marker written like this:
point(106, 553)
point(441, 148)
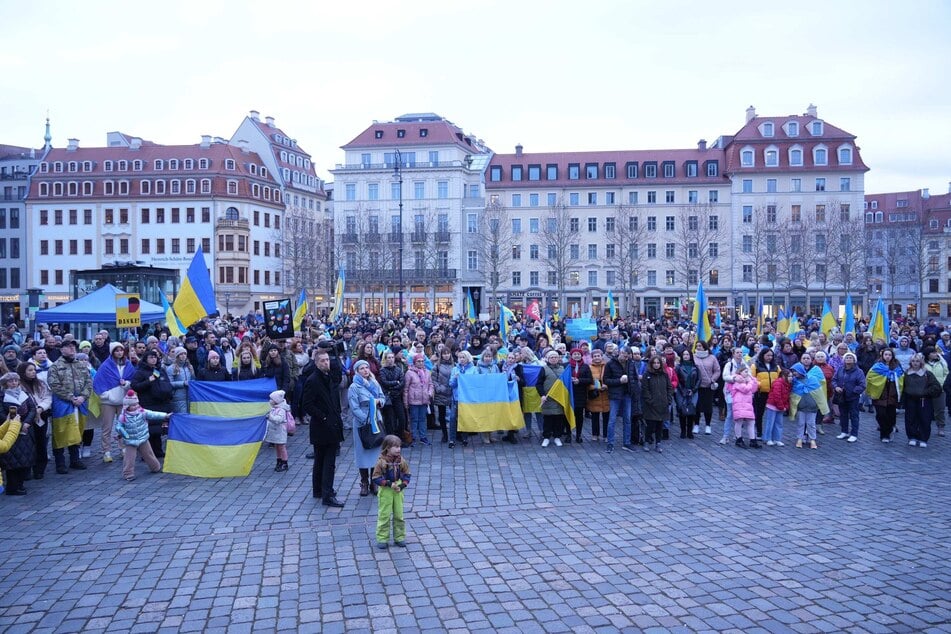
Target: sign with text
point(279, 319)
point(128, 313)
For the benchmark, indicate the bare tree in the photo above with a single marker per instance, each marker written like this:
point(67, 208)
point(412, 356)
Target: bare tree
point(920, 264)
point(849, 260)
point(495, 247)
point(803, 254)
point(350, 254)
point(758, 251)
point(306, 252)
point(629, 256)
point(556, 236)
point(701, 241)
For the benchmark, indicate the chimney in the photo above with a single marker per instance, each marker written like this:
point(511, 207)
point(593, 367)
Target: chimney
point(750, 114)
point(702, 145)
point(925, 194)
point(269, 121)
point(254, 114)
point(73, 145)
point(518, 151)
point(949, 187)
point(219, 139)
point(243, 145)
point(135, 143)
point(812, 111)
point(205, 140)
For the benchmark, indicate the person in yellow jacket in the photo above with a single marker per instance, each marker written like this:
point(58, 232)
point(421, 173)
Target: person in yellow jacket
point(765, 370)
point(9, 432)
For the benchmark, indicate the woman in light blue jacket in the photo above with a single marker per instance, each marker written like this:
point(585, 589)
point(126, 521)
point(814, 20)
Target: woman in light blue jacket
point(464, 366)
point(364, 395)
point(180, 372)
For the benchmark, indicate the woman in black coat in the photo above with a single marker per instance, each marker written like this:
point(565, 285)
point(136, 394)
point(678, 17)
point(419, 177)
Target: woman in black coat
point(18, 461)
point(154, 390)
point(581, 379)
point(274, 366)
point(392, 379)
point(657, 394)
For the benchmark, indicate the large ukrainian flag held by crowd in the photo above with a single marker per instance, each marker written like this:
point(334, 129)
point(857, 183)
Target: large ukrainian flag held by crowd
point(196, 297)
point(212, 447)
point(230, 399)
point(488, 402)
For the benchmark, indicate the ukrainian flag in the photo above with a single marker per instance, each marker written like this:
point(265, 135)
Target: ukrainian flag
point(793, 328)
point(68, 421)
point(612, 307)
point(505, 314)
point(230, 399)
point(470, 308)
point(488, 402)
point(849, 315)
point(828, 320)
point(171, 319)
point(877, 327)
point(301, 310)
point(196, 297)
point(531, 398)
point(211, 447)
point(700, 315)
point(782, 321)
point(338, 295)
point(562, 394)
point(812, 383)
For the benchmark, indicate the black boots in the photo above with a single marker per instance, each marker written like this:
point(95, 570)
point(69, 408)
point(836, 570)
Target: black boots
point(281, 465)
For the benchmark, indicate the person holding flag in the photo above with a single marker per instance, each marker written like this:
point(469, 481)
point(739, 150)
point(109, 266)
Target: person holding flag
point(554, 393)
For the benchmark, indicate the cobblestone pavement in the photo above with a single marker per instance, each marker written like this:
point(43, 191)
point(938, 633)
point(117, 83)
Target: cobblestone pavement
point(704, 537)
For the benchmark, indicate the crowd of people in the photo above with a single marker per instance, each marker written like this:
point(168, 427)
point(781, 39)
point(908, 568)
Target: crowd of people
point(635, 384)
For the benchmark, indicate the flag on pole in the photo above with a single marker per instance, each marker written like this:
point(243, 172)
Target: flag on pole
point(700, 315)
point(793, 327)
point(470, 307)
point(849, 315)
point(612, 307)
point(196, 297)
point(505, 314)
point(338, 294)
point(171, 319)
point(877, 326)
point(760, 318)
point(300, 311)
point(782, 321)
point(828, 319)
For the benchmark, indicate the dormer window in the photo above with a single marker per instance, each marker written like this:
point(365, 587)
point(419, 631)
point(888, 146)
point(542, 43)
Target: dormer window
point(137, 165)
point(378, 134)
point(159, 165)
point(845, 155)
point(400, 134)
point(768, 129)
point(771, 156)
point(795, 156)
point(816, 128)
point(229, 164)
point(746, 157)
point(874, 204)
point(792, 128)
point(189, 164)
point(423, 132)
point(820, 156)
point(173, 164)
point(107, 166)
point(87, 166)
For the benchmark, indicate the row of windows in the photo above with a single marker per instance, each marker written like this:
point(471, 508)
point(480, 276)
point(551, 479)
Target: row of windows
point(795, 185)
point(419, 191)
point(14, 248)
point(14, 215)
point(610, 278)
point(14, 278)
point(239, 275)
point(820, 156)
point(120, 246)
point(158, 187)
point(419, 224)
point(791, 128)
point(230, 243)
point(607, 171)
point(611, 251)
point(574, 224)
point(137, 165)
point(609, 198)
point(299, 177)
point(295, 159)
point(795, 213)
point(122, 216)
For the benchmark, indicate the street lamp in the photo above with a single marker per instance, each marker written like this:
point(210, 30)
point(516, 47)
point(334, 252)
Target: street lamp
point(398, 175)
point(228, 304)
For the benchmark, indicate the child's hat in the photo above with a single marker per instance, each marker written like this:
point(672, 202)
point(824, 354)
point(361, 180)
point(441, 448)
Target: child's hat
point(130, 399)
point(277, 397)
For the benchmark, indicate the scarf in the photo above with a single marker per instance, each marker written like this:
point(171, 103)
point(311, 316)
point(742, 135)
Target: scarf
point(17, 396)
point(110, 375)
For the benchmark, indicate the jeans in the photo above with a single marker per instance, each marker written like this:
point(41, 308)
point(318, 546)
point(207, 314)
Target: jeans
point(417, 414)
point(728, 421)
point(849, 417)
point(773, 425)
point(620, 407)
point(806, 425)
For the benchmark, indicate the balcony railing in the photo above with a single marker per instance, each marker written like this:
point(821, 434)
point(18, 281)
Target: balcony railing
point(392, 276)
point(405, 166)
point(442, 236)
point(350, 238)
point(418, 236)
point(230, 223)
point(394, 236)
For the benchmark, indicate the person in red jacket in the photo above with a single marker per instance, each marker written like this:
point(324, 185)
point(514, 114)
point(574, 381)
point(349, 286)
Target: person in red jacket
point(777, 404)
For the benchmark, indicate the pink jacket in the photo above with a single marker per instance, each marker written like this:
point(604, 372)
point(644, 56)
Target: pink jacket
point(743, 398)
point(418, 389)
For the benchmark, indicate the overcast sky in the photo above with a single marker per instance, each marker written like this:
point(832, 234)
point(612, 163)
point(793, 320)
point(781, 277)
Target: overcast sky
point(553, 75)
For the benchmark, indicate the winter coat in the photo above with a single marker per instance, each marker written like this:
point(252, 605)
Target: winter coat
point(598, 401)
point(688, 384)
point(246, 372)
point(133, 427)
point(582, 372)
point(440, 379)
point(392, 379)
point(867, 358)
point(277, 424)
point(179, 376)
point(320, 400)
point(657, 394)
point(709, 369)
point(851, 381)
point(613, 372)
point(218, 373)
point(742, 393)
point(155, 395)
point(550, 376)
point(359, 397)
point(281, 373)
point(21, 452)
point(779, 393)
point(418, 389)
point(16, 449)
point(939, 369)
point(923, 385)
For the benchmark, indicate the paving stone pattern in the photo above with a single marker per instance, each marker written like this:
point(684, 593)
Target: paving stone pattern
point(502, 538)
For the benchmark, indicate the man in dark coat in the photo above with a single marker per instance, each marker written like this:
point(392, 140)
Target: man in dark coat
point(321, 402)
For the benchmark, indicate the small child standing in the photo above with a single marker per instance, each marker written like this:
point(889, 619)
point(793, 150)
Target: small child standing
point(391, 474)
point(277, 421)
point(742, 390)
point(777, 404)
point(132, 431)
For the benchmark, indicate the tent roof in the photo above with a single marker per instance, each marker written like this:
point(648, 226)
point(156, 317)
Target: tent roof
point(96, 307)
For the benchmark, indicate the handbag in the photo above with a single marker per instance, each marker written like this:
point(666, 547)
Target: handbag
point(113, 396)
point(291, 423)
point(371, 432)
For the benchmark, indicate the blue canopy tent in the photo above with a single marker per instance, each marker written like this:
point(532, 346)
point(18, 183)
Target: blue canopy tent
point(96, 307)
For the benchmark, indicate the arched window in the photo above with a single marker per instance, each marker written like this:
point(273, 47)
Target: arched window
point(747, 157)
point(44, 189)
point(231, 213)
point(795, 156)
point(845, 155)
point(190, 186)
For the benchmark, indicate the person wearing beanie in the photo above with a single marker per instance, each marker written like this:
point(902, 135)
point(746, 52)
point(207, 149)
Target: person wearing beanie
point(9, 437)
point(112, 380)
point(132, 431)
point(214, 370)
point(20, 457)
point(150, 381)
point(279, 424)
point(848, 384)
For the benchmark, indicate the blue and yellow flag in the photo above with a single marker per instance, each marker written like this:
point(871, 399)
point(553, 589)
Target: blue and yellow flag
point(505, 314)
point(760, 318)
point(488, 402)
point(877, 326)
point(811, 383)
point(338, 295)
point(718, 320)
point(300, 311)
point(828, 319)
point(230, 399)
point(531, 398)
point(793, 328)
point(172, 321)
point(849, 315)
point(470, 308)
point(562, 394)
point(782, 322)
point(612, 307)
point(212, 447)
point(700, 315)
point(879, 375)
point(196, 297)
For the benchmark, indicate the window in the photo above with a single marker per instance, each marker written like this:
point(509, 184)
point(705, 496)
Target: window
point(516, 172)
point(795, 213)
point(495, 173)
point(845, 184)
point(772, 157)
point(609, 171)
point(713, 168)
point(651, 197)
point(533, 225)
point(770, 213)
point(820, 156)
point(533, 252)
point(746, 157)
point(176, 215)
point(350, 191)
point(592, 225)
point(592, 198)
point(820, 184)
point(820, 244)
point(205, 185)
point(670, 277)
point(87, 247)
point(591, 171)
point(472, 223)
point(747, 244)
point(692, 196)
point(632, 170)
point(516, 278)
point(669, 223)
point(592, 252)
point(792, 128)
point(845, 156)
point(419, 190)
point(573, 199)
point(472, 260)
point(516, 200)
point(713, 196)
point(668, 169)
point(650, 170)
point(109, 248)
point(551, 172)
point(714, 277)
point(713, 222)
point(768, 128)
point(160, 215)
point(144, 248)
point(533, 200)
point(574, 225)
point(652, 223)
point(795, 184)
point(670, 250)
point(609, 225)
point(44, 247)
point(534, 172)
point(533, 278)
point(442, 189)
point(690, 169)
point(610, 250)
point(652, 278)
point(816, 128)
point(714, 249)
point(747, 185)
point(574, 171)
point(795, 157)
point(844, 210)
point(747, 214)
point(516, 226)
point(592, 278)
point(820, 213)
point(632, 198)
